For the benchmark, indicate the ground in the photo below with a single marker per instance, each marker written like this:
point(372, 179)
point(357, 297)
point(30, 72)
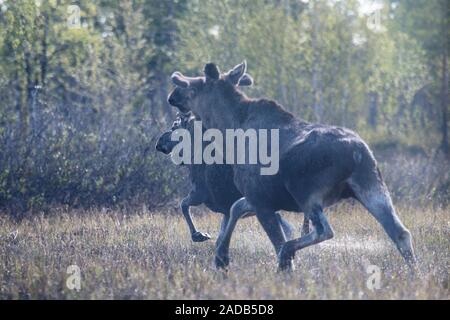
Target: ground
point(149, 255)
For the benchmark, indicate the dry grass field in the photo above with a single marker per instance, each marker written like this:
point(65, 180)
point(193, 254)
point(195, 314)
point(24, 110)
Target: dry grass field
point(149, 255)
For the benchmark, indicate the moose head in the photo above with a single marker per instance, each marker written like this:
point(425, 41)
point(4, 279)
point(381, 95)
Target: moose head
point(165, 143)
point(196, 93)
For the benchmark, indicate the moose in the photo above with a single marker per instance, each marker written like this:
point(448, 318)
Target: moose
point(319, 165)
point(213, 186)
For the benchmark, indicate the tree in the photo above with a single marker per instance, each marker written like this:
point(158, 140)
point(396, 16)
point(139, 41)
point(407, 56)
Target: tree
point(428, 22)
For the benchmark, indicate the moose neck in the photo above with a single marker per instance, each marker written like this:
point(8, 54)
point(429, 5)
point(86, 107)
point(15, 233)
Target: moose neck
point(223, 108)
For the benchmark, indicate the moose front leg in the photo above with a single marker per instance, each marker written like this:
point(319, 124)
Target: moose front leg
point(238, 209)
point(321, 231)
point(223, 227)
point(274, 230)
point(193, 200)
point(287, 227)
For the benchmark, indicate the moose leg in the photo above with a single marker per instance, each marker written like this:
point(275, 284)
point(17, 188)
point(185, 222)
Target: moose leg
point(306, 227)
point(239, 208)
point(287, 227)
point(193, 200)
point(378, 202)
point(322, 231)
point(223, 227)
point(272, 227)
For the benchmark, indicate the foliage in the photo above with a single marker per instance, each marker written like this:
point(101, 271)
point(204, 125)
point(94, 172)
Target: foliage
point(80, 108)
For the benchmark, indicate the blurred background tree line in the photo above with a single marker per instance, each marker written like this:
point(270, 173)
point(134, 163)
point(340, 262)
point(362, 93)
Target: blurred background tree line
point(83, 87)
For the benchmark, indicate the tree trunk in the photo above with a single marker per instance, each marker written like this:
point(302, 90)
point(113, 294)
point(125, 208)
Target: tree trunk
point(44, 58)
point(316, 78)
point(373, 109)
point(165, 107)
point(20, 107)
point(345, 94)
point(444, 105)
point(30, 90)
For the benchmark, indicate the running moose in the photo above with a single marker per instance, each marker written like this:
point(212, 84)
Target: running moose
point(319, 164)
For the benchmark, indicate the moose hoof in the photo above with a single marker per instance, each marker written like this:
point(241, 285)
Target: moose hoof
point(200, 236)
point(286, 265)
point(285, 260)
point(222, 262)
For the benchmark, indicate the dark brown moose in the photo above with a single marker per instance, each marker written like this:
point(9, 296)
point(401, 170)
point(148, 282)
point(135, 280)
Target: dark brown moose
point(212, 185)
point(318, 164)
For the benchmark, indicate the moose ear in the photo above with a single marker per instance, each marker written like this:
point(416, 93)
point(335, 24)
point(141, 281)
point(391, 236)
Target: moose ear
point(245, 81)
point(179, 80)
point(211, 71)
point(235, 74)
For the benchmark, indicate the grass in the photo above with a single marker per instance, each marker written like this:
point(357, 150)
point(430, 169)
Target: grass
point(149, 255)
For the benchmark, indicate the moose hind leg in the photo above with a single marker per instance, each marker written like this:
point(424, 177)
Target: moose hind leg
point(196, 236)
point(377, 201)
point(322, 231)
